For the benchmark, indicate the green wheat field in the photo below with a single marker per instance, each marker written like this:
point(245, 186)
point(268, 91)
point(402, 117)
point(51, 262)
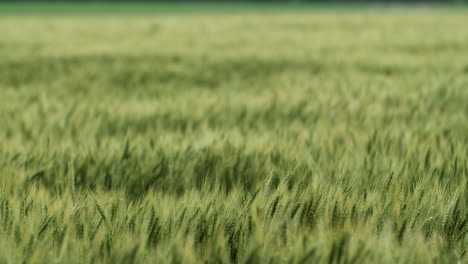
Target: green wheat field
point(293, 136)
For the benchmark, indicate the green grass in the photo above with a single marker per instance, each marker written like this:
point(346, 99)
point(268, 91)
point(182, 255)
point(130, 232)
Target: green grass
point(155, 8)
point(207, 8)
point(242, 138)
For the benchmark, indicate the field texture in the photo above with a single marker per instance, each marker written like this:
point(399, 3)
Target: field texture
point(259, 138)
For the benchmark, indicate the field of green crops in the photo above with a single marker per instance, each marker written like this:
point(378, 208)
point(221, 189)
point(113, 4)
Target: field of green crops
point(284, 137)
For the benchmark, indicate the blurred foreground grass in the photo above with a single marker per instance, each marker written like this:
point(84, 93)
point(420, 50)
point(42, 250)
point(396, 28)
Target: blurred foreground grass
point(300, 138)
point(61, 8)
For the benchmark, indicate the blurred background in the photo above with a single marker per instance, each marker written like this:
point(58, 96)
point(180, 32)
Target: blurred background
point(89, 7)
